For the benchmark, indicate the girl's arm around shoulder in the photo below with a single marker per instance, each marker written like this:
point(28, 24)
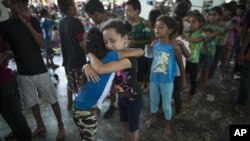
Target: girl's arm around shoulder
point(178, 56)
point(113, 66)
point(194, 40)
point(184, 50)
point(131, 52)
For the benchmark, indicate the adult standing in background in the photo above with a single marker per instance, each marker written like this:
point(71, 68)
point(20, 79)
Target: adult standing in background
point(24, 35)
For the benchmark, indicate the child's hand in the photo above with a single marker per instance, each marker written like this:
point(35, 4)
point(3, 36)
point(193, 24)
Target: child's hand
point(131, 42)
point(91, 74)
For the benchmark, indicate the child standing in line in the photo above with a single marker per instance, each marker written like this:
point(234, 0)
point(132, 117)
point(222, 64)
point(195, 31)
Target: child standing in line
point(125, 82)
point(163, 70)
point(196, 38)
point(212, 29)
point(152, 16)
point(180, 79)
point(228, 10)
point(139, 36)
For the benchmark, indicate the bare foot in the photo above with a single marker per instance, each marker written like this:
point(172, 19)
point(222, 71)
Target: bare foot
point(38, 131)
point(167, 132)
point(149, 122)
point(200, 93)
point(188, 104)
point(177, 115)
point(61, 134)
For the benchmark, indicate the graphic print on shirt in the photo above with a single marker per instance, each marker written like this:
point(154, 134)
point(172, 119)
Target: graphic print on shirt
point(160, 65)
point(121, 85)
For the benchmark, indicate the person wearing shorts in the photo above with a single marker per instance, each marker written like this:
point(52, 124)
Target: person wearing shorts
point(71, 32)
point(24, 36)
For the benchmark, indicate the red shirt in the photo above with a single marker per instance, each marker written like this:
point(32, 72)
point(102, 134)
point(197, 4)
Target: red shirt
point(6, 74)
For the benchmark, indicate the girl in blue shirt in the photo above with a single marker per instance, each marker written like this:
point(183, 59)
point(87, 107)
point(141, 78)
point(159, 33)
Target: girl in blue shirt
point(163, 70)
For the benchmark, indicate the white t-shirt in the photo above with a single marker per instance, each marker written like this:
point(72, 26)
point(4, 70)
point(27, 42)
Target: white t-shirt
point(186, 44)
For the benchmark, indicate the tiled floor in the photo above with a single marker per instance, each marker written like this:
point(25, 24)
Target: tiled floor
point(205, 121)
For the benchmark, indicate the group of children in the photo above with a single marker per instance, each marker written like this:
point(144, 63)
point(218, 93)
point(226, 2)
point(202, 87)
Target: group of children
point(175, 52)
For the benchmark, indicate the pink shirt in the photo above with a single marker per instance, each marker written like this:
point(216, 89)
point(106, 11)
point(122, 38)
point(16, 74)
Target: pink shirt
point(6, 74)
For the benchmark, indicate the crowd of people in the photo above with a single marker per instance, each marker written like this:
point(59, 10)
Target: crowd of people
point(121, 56)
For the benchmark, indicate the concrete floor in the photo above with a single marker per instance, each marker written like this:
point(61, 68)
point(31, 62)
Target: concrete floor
point(205, 121)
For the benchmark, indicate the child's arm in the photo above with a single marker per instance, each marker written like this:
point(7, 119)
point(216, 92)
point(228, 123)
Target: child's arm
point(178, 56)
point(184, 49)
point(113, 66)
point(212, 35)
point(194, 40)
point(142, 42)
point(131, 52)
point(90, 73)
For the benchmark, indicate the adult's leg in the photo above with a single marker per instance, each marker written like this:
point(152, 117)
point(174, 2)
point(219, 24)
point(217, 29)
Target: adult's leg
point(57, 112)
point(48, 92)
point(40, 125)
point(12, 113)
point(29, 96)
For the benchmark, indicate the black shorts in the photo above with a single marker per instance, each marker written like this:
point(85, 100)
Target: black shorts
point(130, 112)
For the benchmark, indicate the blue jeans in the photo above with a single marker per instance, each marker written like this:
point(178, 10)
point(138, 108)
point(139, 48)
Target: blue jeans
point(166, 91)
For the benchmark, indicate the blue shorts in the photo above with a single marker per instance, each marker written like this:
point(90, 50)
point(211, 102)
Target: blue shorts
point(205, 62)
point(130, 112)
